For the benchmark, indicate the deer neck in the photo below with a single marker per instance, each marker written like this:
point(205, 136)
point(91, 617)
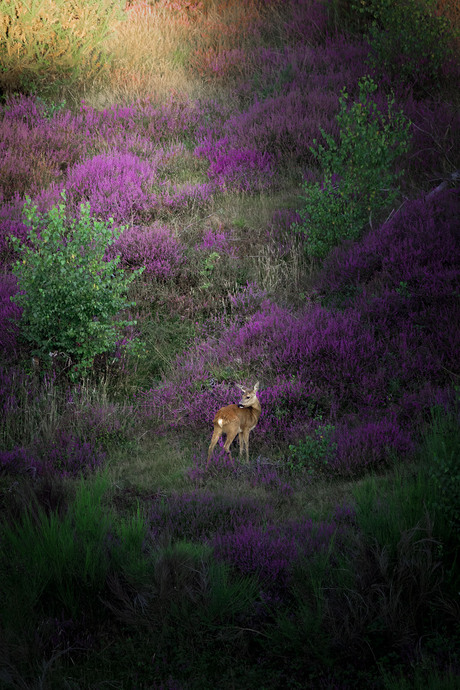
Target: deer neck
point(254, 409)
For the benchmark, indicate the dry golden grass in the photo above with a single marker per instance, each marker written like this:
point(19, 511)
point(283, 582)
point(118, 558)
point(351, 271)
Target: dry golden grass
point(149, 52)
point(180, 48)
point(52, 42)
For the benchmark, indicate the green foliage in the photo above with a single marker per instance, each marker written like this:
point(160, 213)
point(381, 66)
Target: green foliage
point(408, 39)
point(358, 171)
point(49, 555)
point(423, 678)
point(45, 44)
point(314, 452)
point(442, 458)
point(66, 558)
point(387, 507)
point(70, 296)
point(208, 269)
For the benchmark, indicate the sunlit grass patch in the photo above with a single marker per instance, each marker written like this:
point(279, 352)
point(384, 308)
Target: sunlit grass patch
point(54, 45)
point(145, 55)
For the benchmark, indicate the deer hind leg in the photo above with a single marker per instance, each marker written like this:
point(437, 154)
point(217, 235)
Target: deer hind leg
point(231, 432)
point(215, 437)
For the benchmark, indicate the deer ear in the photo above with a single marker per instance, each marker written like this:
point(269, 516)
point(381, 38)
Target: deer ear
point(256, 387)
point(242, 388)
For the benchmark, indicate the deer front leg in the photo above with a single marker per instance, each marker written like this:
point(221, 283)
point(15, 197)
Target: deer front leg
point(240, 439)
point(246, 443)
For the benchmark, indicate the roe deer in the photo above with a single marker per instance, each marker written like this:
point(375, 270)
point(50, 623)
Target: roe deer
point(237, 419)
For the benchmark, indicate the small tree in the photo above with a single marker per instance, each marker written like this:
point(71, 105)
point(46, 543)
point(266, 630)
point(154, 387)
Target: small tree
point(70, 295)
point(358, 171)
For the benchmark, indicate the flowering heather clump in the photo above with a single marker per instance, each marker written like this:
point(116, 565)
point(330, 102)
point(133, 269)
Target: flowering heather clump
point(118, 127)
point(217, 240)
point(416, 406)
point(156, 248)
point(419, 242)
point(116, 185)
point(19, 461)
point(233, 167)
point(404, 278)
point(370, 445)
point(296, 94)
point(269, 478)
point(67, 456)
point(34, 145)
point(198, 516)
point(272, 552)
point(70, 456)
point(41, 146)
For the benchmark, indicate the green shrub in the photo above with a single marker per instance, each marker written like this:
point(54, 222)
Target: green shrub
point(314, 452)
point(71, 297)
point(408, 39)
point(358, 171)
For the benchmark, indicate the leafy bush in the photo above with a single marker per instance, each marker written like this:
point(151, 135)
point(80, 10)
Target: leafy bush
point(69, 294)
point(314, 452)
point(359, 176)
point(44, 43)
point(408, 39)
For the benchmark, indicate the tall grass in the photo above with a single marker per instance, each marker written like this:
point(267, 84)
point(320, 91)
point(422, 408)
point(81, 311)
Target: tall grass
point(58, 562)
point(54, 45)
point(425, 495)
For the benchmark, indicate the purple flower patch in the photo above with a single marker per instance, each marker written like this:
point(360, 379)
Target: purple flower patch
point(156, 248)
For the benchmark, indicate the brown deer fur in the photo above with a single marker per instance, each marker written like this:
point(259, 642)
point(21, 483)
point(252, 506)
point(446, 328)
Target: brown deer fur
point(237, 419)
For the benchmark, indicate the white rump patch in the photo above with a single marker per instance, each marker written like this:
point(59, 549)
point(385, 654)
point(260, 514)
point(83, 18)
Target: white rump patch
point(220, 422)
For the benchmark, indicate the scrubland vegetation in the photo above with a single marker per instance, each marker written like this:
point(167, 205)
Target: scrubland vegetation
point(200, 193)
